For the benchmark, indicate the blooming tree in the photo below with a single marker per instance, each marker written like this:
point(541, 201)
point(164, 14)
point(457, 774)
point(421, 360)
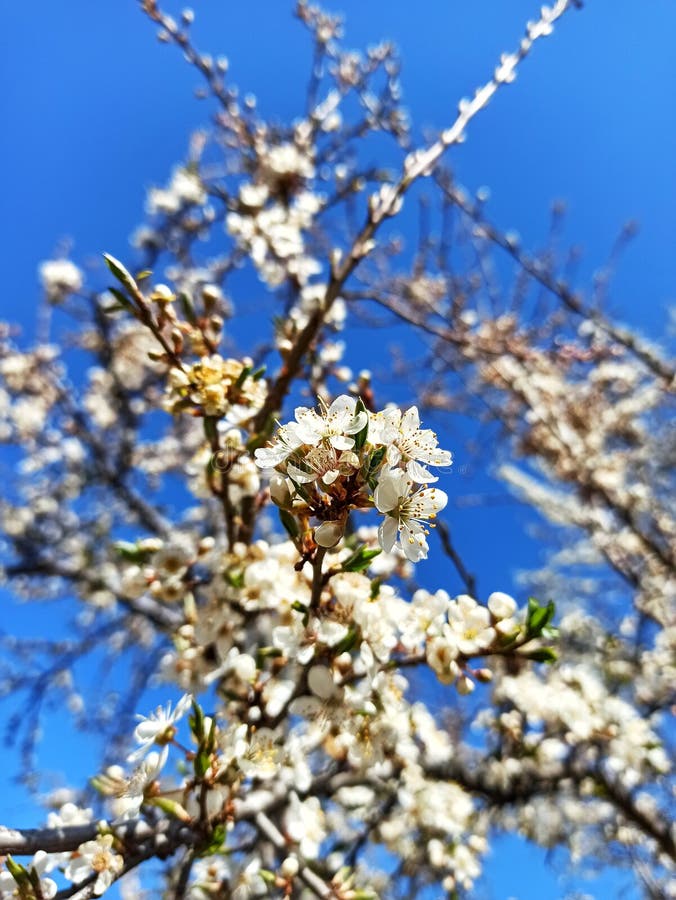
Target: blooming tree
point(248, 526)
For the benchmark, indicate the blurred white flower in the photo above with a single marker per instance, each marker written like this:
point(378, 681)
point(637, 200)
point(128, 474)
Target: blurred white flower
point(158, 727)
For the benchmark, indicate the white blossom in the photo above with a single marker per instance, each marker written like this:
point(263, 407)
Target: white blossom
point(407, 512)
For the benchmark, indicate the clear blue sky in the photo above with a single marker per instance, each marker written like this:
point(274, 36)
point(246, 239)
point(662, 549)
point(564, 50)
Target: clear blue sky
point(95, 110)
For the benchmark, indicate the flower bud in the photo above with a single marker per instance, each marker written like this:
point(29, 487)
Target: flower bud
point(290, 867)
point(501, 605)
point(320, 681)
point(483, 675)
point(464, 684)
point(329, 533)
point(279, 491)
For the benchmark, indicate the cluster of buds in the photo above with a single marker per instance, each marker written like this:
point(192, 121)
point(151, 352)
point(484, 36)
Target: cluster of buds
point(344, 458)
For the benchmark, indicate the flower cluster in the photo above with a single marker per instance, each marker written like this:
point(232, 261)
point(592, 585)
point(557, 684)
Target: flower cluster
point(216, 387)
point(343, 458)
point(159, 567)
point(184, 189)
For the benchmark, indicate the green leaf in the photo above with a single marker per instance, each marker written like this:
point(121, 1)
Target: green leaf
point(538, 617)
point(131, 552)
point(188, 308)
point(360, 559)
point(360, 437)
point(372, 466)
point(120, 272)
point(197, 721)
point(289, 522)
point(242, 377)
point(121, 298)
point(301, 608)
point(211, 737)
point(542, 654)
point(34, 880)
point(508, 640)
point(258, 374)
point(16, 870)
point(264, 653)
point(201, 763)
point(234, 578)
point(216, 842)
point(347, 642)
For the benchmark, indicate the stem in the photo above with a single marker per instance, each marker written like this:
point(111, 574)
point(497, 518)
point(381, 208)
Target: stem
point(317, 578)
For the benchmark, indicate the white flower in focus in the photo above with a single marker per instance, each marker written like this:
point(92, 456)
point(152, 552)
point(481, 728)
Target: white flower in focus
point(335, 424)
point(407, 512)
point(407, 444)
point(285, 442)
point(96, 856)
point(158, 727)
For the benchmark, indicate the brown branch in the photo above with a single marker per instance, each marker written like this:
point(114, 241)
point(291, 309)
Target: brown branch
point(468, 579)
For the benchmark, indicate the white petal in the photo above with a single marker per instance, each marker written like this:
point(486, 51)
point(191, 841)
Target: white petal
point(357, 423)
point(410, 420)
point(388, 492)
point(331, 633)
point(342, 404)
point(431, 501)
point(269, 457)
point(419, 474)
point(340, 442)
point(413, 542)
point(298, 475)
point(321, 683)
point(393, 455)
point(387, 533)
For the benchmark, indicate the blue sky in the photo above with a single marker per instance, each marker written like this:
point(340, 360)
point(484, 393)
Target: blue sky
point(95, 111)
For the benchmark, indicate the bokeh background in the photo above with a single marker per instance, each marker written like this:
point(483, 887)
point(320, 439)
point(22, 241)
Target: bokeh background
point(95, 111)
